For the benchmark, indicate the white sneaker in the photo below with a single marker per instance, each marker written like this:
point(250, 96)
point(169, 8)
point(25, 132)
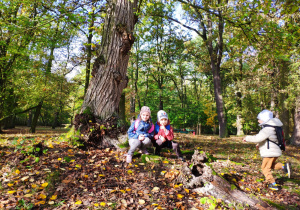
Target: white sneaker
point(129, 158)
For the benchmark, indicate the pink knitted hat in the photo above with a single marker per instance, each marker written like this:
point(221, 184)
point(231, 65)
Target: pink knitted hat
point(145, 109)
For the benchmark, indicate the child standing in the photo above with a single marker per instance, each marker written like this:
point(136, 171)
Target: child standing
point(269, 151)
point(164, 135)
point(140, 133)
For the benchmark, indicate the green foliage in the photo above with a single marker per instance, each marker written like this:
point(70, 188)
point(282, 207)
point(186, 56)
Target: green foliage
point(22, 204)
point(73, 137)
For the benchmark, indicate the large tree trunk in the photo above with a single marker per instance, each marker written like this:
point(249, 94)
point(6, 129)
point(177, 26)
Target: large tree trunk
point(109, 71)
point(202, 179)
point(295, 140)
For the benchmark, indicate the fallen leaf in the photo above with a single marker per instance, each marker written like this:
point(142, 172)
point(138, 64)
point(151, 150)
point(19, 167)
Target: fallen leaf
point(42, 196)
point(24, 178)
point(180, 196)
point(155, 189)
point(141, 201)
point(78, 202)
point(27, 195)
point(45, 184)
point(53, 197)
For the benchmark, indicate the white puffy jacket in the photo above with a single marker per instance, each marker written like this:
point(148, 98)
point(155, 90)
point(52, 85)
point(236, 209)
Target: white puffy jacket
point(263, 135)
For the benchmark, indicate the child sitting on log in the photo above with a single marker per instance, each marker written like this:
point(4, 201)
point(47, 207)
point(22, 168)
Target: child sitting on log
point(164, 135)
point(140, 133)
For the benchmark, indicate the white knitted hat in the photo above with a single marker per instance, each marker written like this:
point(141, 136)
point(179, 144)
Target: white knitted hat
point(265, 115)
point(161, 114)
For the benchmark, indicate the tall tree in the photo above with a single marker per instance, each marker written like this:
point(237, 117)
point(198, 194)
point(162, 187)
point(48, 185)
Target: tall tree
point(110, 67)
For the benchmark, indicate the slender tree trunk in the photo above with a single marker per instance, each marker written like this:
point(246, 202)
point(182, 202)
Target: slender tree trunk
point(109, 71)
point(295, 140)
point(36, 117)
point(29, 121)
point(55, 122)
point(122, 114)
point(215, 58)
point(89, 54)
point(239, 126)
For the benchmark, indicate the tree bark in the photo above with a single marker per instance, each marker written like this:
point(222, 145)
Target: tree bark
point(295, 140)
point(109, 71)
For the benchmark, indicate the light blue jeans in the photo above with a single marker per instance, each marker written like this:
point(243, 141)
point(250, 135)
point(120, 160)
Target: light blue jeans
point(135, 143)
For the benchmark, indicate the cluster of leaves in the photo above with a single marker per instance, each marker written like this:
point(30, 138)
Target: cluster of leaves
point(67, 177)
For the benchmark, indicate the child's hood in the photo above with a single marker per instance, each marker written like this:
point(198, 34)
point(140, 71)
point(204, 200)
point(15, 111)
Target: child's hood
point(273, 122)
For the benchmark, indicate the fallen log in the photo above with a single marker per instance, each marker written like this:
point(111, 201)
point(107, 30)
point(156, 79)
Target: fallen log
point(201, 178)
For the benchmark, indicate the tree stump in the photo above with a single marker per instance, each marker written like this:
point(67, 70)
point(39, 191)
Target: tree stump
point(201, 178)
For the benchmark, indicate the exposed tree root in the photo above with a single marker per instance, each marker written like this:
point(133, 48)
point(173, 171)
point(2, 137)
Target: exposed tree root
point(98, 133)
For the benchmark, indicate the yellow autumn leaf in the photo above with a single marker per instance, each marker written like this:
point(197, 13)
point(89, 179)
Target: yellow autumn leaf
point(129, 172)
point(186, 190)
point(45, 184)
point(165, 161)
point(247, 189)
point(27, 195)
point(176, 186)
point(234, 179)
point(96, 204)
point(101, 175)
point(42, 202)
point(78, 165)
point(11, 192)
point(42, 196)
point(122, 191)
point(53, 197)
point(34, 186)
point(128, 189)
point(78, 202)
point(102, 204)
point(59, 159)
point(258, 189)
point(180, 196)
point(141, 201)
point(86, 176)
point(10, 184)
point(17, 171)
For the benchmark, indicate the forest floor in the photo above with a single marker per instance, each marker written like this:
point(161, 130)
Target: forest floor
point(57, 175)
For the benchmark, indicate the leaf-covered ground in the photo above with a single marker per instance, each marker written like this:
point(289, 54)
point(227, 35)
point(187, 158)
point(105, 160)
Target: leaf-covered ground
point(54, 175)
